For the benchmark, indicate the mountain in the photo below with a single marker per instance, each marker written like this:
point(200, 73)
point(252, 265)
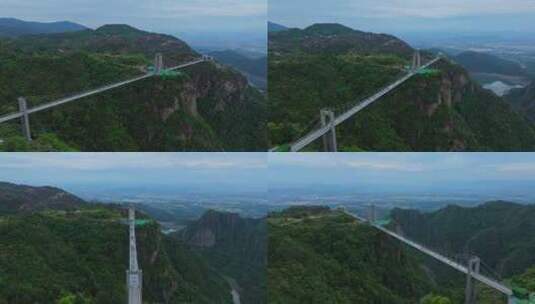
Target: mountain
point(80, 255)
point(523, 100)
point(236, 247)
point(501, 233)
point(11, 27)
point(440, 109)
point(275, 27)
point(83, 255)
point(206, 107)
point(334, 39)
point(477, 62)
point(20, 198)
point(254, 68)
point(317, 255)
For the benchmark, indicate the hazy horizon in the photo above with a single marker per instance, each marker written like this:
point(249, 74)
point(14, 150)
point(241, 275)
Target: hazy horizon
point(233, 20)
point(158, 173)
point(413, 20)
point(175, 174)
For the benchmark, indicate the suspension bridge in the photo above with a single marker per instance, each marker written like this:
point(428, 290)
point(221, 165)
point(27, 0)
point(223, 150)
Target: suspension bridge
point(24, 111)
point(134, 280)
point(329, 121)
point(471, 270)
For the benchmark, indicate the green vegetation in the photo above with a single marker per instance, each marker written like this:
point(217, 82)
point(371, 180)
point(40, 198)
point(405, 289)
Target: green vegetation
point(502, 234)
point(236, 247)
point(81, 256)
point(440, 109)
point(204, 107)
point(320, 256)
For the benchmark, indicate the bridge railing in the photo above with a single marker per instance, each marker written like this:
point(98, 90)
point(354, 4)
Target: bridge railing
point(442, 258)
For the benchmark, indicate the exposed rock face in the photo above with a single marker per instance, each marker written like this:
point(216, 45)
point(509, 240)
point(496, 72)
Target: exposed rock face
point(234, 245)
point(215, 226)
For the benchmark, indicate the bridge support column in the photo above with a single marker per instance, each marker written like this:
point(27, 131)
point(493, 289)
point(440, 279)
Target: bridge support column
point(416, 60)
point(372, 213)
point(329, 139)
point(25, 119)
point(158, 63)
point(470, 291)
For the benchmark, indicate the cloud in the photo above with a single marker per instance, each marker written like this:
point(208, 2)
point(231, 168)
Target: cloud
point(522, 167)
point(442, 8)
point(123, 161)
point(387, 166)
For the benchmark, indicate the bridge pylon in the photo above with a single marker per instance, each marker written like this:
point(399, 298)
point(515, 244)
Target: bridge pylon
point(25, 119)
point(158, 63)
point(416, 60)
point(470, 291)
point(329, 139)
point(372, 213)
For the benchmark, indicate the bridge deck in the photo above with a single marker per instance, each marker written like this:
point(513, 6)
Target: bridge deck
point(314, 135)
point(481, 278)
point(58, 102)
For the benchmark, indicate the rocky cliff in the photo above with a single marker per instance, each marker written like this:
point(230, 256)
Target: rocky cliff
point(235, 246)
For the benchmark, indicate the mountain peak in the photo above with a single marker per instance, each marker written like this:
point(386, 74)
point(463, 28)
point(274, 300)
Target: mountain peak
point(329, 29)
point(117, 29)
point(21, 198)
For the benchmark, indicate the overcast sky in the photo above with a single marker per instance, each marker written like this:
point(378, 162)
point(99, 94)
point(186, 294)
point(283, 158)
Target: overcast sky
point(399, 16)
point(169, 16)
point(388, 172)
point(395, 172)
point(117, 170)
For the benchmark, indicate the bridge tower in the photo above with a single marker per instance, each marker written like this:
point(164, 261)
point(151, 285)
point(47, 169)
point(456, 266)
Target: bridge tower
point(25, 120)
point(158, 63)
point(372, 213)
point(416, 60)
point(470, 291)
point(133, 274)
point(329, 139)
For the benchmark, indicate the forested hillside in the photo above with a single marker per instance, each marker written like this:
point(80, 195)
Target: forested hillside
point(204, 107)
point(236, 247)
point(501, 233)
point(332, 66)
point(317, 255)
point(56, 255)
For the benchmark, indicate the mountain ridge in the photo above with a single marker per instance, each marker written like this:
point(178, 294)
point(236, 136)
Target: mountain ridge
point(12, 27)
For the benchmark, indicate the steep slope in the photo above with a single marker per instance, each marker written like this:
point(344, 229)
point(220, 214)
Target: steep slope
point(501, 233)
point(523, 100)
point(205, 107)
point(84, 255)
point(20, 198)
point(11, 27)
point(322, 256)
point(79, 255)
point(254, 68)
point(331, 66)
point(234, 246)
